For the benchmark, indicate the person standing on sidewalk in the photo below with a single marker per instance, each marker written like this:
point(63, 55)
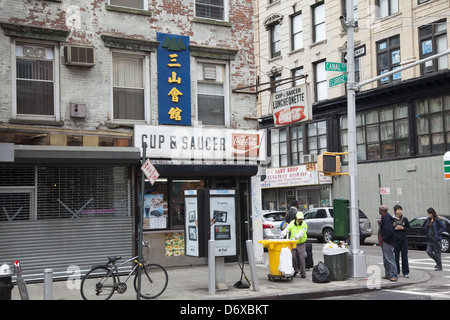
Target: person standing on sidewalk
point(401, 225)
point(435, 227)
point(298, 229)
point(386, 238)
point(290, 215)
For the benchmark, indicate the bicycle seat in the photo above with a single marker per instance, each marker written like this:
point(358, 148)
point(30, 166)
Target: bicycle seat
point(113, 259)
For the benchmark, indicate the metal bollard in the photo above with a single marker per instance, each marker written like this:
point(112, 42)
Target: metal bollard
point(48, 283)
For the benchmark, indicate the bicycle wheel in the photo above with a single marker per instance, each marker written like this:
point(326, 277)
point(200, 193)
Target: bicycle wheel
point(98, 284)
point(154, 281)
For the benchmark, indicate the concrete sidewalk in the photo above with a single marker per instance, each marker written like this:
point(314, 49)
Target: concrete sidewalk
point(191, 283)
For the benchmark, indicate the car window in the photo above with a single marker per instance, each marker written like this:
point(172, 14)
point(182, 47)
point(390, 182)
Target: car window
point(417, 223)
point(310, 214)
point(321, 214)
point(276, 216)
point(330, 211)
point(362, 215)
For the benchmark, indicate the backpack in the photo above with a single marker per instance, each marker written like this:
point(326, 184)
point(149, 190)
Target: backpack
point(320, 273)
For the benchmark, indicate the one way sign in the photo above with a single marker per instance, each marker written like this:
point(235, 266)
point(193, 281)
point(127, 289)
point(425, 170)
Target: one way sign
point(360, 51)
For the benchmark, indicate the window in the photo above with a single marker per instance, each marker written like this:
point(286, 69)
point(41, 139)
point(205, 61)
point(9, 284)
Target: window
point(296, 73)
point(320, 80)
point(319, 23)
point(297, 32)
point(274, 80)
point(279, 148)
point(296, 141)
point(211, 97)
point(210, 9)
point(355, 10)
point(317, 137)
point(128, 87)
point(433, 40)
point(433, 124)
point(275, 40)
point(386, 8)
point(381, 133)
point(388, 59)
point(136, 4)
point(35, 84)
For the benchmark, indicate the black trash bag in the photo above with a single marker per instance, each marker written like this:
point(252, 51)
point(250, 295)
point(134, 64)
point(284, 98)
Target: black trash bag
point(320, 273)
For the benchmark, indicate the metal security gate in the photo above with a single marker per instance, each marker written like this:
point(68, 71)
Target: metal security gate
point(61, 216)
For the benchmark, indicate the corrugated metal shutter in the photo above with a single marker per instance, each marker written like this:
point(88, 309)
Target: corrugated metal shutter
point(58, 244)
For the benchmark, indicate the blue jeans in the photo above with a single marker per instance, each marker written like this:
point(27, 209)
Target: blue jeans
point(401, 248)
point(434, 251)
point(388, 260)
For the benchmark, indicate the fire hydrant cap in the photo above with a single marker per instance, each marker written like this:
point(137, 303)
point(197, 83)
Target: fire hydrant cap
point(5, 270)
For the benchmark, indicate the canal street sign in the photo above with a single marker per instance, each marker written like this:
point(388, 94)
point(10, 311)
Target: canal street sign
point(337, 80)
point(335, 66)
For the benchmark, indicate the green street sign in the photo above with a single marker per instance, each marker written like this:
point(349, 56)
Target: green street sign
point(337, 80)
point(335, 66)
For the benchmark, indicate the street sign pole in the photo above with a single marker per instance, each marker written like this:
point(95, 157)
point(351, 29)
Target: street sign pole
point(141, 216)
point(357, 268)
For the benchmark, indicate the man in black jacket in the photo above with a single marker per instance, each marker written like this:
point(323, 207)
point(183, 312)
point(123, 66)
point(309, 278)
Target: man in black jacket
point(401, 225)
point(386, 238)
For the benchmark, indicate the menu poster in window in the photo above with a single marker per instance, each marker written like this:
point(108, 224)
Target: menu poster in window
point(192, 234)
point(222, 208)
point(154, 216)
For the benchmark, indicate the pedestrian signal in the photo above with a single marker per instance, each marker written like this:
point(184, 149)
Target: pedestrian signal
point(329, 164)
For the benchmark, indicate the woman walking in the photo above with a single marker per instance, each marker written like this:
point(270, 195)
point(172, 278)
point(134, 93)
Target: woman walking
point(435, 227)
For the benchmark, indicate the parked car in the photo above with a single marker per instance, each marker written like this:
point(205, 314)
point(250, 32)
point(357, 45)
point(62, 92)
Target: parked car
point(417, 235)
point(271, 223)
point(321, 224)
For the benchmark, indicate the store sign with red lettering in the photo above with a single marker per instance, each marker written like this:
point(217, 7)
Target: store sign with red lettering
point(150, 171)
point(291, 106)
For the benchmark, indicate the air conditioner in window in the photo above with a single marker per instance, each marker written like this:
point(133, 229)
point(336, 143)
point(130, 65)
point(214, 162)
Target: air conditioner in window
point(80, 56)
point(308, 158)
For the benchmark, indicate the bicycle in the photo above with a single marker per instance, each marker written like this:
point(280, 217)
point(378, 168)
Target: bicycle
point(102, 281)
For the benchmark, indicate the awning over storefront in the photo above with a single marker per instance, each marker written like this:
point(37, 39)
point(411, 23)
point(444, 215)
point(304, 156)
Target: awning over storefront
point(183, 170)
point(25, 154)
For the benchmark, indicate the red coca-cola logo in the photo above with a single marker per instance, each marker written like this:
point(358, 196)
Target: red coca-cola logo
point(289, 115)
point(245, 144)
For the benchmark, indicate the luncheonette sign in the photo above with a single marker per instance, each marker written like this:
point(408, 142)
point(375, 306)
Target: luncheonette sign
point(197, 143)
point(291, 106)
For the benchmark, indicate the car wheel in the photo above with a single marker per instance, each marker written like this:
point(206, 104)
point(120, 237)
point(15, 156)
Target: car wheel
point(328, 235)
point(445, 244)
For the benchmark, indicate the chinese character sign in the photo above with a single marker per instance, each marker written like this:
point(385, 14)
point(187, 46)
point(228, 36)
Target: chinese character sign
point(174, 83)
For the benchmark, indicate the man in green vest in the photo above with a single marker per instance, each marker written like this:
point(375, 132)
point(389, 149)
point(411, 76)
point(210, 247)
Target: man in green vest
point(297, 229)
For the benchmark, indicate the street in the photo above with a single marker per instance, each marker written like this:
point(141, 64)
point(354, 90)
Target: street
point(436, 288)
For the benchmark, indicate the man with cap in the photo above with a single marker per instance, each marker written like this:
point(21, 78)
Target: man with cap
point(298, 229)
point(290, 215)
point(386, 233)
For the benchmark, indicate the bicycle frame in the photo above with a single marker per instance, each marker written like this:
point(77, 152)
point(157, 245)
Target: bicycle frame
point(115, 268)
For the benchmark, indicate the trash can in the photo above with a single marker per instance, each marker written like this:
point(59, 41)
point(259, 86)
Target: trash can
point(6, 285)
point(337, 264)
point(274, 247)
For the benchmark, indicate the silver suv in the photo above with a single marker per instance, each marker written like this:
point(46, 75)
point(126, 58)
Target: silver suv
point(321, 226)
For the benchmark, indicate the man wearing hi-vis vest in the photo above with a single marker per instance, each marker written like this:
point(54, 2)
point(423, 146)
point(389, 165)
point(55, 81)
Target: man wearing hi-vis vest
point(297, 229)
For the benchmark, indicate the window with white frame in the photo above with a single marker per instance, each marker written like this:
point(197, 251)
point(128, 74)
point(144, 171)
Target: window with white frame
point(128, 86)
point(135, 4)
point(297, 31)
point(297, 72)
point(35, 84)
point(211, 93)
point(320, 81)
point(386, 8)
point(211, 9)
point(275, 40)
point(319, 33)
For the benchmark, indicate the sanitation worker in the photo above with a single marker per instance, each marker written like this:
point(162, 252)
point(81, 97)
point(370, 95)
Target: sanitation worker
point(297, 229)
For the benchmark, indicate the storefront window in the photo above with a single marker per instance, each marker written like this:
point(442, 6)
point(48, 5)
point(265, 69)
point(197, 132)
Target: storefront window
point(177, 200)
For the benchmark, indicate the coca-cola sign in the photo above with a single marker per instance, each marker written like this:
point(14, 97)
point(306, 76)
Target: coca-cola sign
point(291, 106)
point(245, 144)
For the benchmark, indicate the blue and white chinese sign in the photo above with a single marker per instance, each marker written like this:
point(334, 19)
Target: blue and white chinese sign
point(174, 83)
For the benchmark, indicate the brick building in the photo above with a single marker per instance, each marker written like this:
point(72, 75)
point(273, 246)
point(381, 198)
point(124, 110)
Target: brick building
point(77, 78)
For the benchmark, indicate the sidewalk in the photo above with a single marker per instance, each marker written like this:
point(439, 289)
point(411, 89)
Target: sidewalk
point(191, 283)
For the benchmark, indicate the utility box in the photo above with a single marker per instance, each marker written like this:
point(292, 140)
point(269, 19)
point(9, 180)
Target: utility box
point(341, 218)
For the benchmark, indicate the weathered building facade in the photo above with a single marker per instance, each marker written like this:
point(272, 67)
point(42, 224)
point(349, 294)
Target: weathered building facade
point(77, 77)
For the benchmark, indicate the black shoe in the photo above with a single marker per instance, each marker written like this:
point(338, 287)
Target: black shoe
point(295, 273)
point(303, 276)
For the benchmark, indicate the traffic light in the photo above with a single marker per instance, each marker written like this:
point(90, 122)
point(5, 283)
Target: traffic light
point(329, 163)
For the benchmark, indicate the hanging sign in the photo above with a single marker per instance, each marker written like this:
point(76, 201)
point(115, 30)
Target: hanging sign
point(150, 171)
point(291, 106)
point(174, 81)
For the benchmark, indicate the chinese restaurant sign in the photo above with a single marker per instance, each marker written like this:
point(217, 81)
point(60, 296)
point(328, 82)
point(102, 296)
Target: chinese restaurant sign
point(174, 83)
point(291, 106)
point(301, 175)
